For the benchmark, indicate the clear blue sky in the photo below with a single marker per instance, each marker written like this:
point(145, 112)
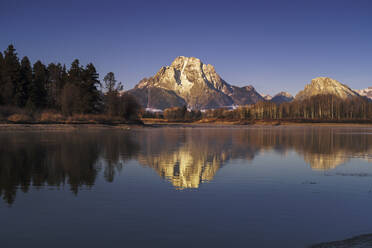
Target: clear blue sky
point(273, 45)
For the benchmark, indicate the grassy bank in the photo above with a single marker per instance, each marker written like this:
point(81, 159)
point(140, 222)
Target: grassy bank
point(66, 127)
point(9, 115)
point(215, 121)
point(96, 123)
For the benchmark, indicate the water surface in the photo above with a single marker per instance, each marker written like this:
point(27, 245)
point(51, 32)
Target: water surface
point(185, 187)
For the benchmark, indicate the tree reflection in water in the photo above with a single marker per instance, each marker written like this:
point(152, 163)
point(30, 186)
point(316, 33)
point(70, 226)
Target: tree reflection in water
point(56, 159)
point(186, 157)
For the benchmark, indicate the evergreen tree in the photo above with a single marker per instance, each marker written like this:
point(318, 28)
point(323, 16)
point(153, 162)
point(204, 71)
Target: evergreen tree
point(69, 99)
point(56, 81)
point(37, 92)
point(74, 74)
point(74, 91)
point(11, 75)
point(74, 83)
point(90, 96)
point(21, 92)
point(64, 80)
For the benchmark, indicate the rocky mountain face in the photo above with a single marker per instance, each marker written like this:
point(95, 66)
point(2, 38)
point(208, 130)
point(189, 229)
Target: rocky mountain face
point(188, 80)
point(324, 86)
point(365, 92)
point(282, 97)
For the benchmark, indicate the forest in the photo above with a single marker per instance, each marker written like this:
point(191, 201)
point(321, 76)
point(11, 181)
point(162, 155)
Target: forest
point(53, 93)
point(319, 108)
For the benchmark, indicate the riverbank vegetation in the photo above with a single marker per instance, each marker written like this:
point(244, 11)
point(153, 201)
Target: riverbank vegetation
point(52, 93)
point(320, 108)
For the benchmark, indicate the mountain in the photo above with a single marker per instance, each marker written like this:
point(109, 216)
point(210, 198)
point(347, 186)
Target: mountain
point(267, 97)
point(187, 81)
point(365, 92)
point(325, 86)
point(282, 97)
point(244, 95)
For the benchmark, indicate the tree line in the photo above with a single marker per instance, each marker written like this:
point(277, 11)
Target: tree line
point(316, 108)
point(36, 87)
point(319, 108)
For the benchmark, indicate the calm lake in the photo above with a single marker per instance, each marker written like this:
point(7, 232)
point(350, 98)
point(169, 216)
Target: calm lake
point(185, 187)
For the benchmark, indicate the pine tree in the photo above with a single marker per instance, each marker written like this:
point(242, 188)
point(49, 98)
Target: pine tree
point(74, 82)
point(74, 74)
point(69, 99)
point(64, 81)
point(90, 96)
point(11, 75)
point(37, 92)
point(21, 92)
point(55, 83)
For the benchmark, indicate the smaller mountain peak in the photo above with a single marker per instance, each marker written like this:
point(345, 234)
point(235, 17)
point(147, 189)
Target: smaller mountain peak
point(285, 94)
point(326, 86)
point(365, 92)
point(267, 97)
point(282, 97)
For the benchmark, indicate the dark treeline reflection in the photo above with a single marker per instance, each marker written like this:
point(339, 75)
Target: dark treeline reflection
point(185, 157)
point(55, 159)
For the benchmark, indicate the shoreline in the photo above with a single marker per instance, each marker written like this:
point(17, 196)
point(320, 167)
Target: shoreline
point(66, 127)
point(93, 126)
point(364, 240)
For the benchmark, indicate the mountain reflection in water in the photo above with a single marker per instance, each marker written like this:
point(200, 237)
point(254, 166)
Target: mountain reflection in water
point(186, 157)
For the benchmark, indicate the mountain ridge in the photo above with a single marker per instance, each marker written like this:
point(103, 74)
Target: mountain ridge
point(189, 82)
